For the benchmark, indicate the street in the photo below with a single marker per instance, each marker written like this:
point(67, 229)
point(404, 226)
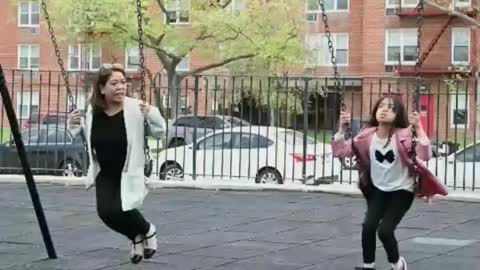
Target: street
point(200, 229)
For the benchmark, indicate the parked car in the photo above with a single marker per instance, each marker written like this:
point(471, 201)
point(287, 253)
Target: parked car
point(50, 150)
point(45, 118)
point(458, 169)
point(181, 129)
point(267, 154)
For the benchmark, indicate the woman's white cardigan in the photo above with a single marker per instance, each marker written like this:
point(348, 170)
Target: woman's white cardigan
point(133, 182)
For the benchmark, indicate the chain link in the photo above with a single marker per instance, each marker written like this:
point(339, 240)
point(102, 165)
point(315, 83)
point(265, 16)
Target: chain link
point(420, 9)
point(59, 58)
point(146, 147)
point(333, 59)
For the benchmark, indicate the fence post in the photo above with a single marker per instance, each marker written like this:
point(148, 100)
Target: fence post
point(305, 130)
point(195, 113)
point(12, 118)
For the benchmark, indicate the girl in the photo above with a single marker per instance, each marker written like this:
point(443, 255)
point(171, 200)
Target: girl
point(115, 136)
point(385, 178)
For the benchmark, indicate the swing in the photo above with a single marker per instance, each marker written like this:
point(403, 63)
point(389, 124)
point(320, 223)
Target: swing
point(425, 182)
point(148, 161)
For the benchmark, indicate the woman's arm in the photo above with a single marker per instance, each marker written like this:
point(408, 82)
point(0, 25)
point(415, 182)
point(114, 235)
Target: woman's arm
point(423, 148)
point(341, 148)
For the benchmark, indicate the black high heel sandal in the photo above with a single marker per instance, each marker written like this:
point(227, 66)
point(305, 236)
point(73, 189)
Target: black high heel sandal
point(149, 252)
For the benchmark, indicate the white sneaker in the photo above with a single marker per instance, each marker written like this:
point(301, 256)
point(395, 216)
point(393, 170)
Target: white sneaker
point(150, 242)
point(404, 263)
point(136, 251)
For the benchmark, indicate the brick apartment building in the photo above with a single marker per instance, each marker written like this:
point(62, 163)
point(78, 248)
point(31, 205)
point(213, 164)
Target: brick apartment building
point(373, 39)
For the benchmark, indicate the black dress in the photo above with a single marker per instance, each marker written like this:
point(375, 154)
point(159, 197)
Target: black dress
point(109, 145)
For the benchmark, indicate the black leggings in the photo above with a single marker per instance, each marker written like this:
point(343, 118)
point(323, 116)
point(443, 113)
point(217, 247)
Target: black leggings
point(109, 208)
point(389, 208)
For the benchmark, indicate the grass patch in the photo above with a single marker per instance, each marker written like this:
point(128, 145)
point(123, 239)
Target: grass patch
point(4, 134)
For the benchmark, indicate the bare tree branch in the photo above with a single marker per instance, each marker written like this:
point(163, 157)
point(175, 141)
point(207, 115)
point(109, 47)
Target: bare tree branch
point(455, 13)
point(219, 64)
point(161, 5)
point(226, 3)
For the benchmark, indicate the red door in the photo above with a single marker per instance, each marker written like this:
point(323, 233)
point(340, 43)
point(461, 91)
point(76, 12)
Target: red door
point(427, 105)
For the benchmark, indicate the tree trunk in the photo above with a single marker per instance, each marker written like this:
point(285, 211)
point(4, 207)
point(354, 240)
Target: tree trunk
point(174, 92)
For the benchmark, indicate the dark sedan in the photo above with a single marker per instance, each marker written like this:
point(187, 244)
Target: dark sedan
point(51, 150)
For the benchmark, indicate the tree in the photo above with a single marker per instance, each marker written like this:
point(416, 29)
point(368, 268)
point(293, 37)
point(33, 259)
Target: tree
point(261, 30)
point(449, 7)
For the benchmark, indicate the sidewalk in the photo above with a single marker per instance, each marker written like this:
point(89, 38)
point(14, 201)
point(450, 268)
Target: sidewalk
point(205, 229)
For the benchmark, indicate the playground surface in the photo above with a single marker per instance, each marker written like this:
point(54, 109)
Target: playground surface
point(202, 229)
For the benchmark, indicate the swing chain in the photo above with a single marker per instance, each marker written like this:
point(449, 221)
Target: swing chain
point(332, 55)
point(148, 161)
point(57, 53)
point(413, 151)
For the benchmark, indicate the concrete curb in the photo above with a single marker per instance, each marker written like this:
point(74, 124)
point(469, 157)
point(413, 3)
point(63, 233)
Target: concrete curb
point(334, 188)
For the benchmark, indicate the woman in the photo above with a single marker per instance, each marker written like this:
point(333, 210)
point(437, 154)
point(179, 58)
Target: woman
point(385, 176)
point(114, 131)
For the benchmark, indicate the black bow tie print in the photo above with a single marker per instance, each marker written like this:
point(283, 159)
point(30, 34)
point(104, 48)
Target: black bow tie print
point(389, 156)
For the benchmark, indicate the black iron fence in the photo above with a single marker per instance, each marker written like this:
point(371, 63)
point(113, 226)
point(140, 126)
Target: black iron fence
point(252, 129)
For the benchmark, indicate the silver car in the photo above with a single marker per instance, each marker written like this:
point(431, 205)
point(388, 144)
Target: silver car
point(181, 130)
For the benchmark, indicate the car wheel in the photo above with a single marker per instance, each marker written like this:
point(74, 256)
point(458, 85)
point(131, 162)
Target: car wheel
point(176, 143)
point(71, 168)
point(269, 176)
point(171, 172)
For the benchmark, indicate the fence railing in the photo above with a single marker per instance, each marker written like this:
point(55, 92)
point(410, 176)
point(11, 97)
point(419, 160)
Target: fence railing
point(253, 129)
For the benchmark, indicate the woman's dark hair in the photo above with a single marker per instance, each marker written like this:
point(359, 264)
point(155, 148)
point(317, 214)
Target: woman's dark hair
point(401, 115)
point(98, 100)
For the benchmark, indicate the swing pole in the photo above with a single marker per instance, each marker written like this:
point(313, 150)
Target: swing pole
point(17, 137)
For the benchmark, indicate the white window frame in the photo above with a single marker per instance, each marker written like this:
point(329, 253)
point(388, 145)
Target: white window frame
point(19, 13)
point(180, 98)
point(186, 59)
point(319, 11)
point(462, 105)
point(462, 4)
point(237, 12)
point(388, 5)
point(127, 65)
point(23, 99)
point(402, 45)
point(318, 58)
point(177, 10)
point(80, 57)
point(30, 46)
point(460, 29)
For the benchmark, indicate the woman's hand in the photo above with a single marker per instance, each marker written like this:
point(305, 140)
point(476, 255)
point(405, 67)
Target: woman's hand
point(145, 108)
point(414, 120)
point(345, 119)
point(75, 117)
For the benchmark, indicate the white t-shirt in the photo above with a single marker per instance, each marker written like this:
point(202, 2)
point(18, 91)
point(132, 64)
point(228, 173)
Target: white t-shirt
point(387, 170)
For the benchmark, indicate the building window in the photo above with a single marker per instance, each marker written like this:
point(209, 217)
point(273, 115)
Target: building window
point(460, 46)
point(132, 58)
point(29, 14)
point(463, 3)
point(319, 52)
point(27, 104)
point(29, 57)
point(178, 11)
point(459, 111)
point(182, 102)
point(402, 3)
point(237, 7)
point(313, 7)
point(84, 57)
point(401, 47)
point(184, 65)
